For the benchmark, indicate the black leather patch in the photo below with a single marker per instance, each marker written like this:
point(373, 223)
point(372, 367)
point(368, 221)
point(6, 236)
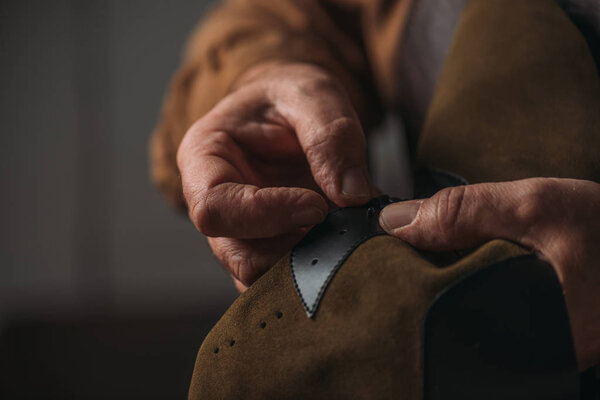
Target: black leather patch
point(316, 259)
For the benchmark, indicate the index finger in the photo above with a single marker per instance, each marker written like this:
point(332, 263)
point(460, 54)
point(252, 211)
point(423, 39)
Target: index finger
point(223, 199)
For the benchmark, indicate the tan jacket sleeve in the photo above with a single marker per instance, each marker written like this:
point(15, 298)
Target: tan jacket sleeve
point(343, 36)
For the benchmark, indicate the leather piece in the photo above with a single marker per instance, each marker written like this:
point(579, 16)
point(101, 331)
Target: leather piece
point(365, 342)
point(501, 332)
point(527, 81)
point(315, 260)
point(366, 339)
point(427, 39)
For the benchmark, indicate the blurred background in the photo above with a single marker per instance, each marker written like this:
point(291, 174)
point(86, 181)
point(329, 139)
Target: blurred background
point(105, 292)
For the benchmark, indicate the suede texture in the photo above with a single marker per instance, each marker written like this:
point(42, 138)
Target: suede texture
point(364, 342)
point(518, 97)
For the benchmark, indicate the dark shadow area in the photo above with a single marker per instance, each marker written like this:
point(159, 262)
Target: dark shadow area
point(103, 357)
point(105, 292)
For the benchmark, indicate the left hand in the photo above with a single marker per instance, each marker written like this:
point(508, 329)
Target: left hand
point(557, 218)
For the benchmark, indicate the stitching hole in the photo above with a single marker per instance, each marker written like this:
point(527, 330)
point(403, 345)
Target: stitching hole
point(314, 261)
point(231, 343)
point(263, 325)
point(279, 314)
point(216, 350)
point(343, 231)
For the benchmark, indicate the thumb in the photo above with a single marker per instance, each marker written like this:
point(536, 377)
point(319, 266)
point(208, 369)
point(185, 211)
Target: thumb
point(465, 216)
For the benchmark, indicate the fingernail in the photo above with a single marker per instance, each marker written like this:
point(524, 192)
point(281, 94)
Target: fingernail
point(398, 215)
point(354, 183)
point(308, 216)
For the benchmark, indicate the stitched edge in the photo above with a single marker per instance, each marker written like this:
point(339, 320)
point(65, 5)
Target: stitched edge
point(306, 307)
point(337, 266)
point(311, 310)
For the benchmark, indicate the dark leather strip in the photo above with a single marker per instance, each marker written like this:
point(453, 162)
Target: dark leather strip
point(316, 259)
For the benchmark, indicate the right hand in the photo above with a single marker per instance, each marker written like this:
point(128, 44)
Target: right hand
point(269, 161)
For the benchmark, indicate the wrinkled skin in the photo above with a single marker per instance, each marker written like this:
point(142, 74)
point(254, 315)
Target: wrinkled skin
point(270, 160)
point(285, 147)
point(558, 218)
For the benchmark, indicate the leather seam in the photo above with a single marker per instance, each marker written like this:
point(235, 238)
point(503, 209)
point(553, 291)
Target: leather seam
point(373, 208)
point(311, 310)
point(337, 267)
point(306, 307)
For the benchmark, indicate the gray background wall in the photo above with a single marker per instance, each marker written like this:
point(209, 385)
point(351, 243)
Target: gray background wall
point(104, 291)
point(83, 228)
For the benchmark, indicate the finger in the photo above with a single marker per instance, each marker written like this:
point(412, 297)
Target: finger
point(222, 201)
point(330, 135)
point(248, 260)
point(465, 216)
point(555, 217)
point(246, 212)
point(239, 285)
point(255, 126)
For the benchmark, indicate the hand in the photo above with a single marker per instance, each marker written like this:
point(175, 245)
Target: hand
point(269, 161)
point(558, 218)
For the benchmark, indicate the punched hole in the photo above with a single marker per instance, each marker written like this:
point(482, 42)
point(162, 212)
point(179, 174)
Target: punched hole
point(216, 350)
point(343, 231)
point(263, 325)
point(231, 343)
point(279, 314)
point(314, 261)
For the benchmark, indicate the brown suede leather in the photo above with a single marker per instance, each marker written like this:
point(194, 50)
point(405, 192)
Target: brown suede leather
point(519, 96)
point(365, 341)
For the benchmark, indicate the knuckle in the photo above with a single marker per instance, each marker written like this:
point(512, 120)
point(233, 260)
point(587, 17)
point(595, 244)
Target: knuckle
point(300, 196)
point(238, 260)
point(200, 213)
point(315, 84)
point(235, 261)
point(228, 253)
point(532, 201)
point(208, 208)
point(335, 137)
point(341, 129)
point(335, 146)
point(190, 143)
point(448, 206)
point(184, 147)
point(214, 140)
